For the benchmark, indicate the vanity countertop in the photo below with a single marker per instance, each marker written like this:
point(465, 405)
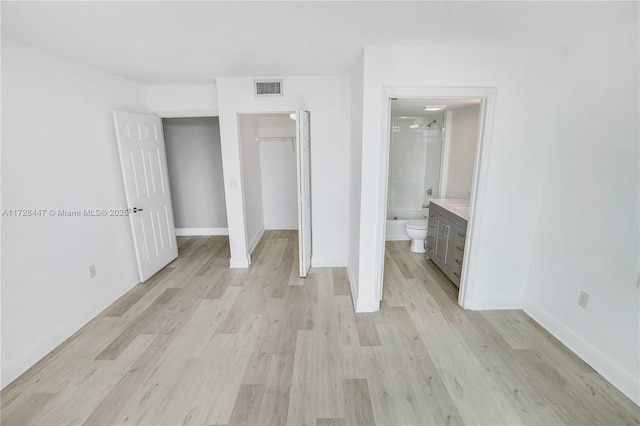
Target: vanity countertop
point(457, 206)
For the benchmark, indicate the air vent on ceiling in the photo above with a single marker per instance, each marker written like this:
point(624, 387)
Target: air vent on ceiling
point(268, 87)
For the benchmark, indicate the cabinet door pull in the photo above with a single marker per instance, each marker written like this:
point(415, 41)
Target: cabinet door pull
point(458, 262)
point(456, 274)
point(459, 249)
point(461, 234)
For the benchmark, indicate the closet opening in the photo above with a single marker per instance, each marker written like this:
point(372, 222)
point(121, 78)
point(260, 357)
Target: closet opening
point(194, 164)
point(275, 158)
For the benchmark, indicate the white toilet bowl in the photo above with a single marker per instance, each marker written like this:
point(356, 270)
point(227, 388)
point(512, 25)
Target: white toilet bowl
point(417, 231)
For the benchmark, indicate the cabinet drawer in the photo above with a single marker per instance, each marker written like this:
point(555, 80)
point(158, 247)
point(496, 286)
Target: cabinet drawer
point(456, 264)
point(433, 221)
point(431, 244)
point(458, 249)
point(456, 278)
point(460, 238)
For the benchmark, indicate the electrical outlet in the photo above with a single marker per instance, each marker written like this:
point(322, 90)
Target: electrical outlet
point(232, 183)
point(583, 300)
point(92, 271)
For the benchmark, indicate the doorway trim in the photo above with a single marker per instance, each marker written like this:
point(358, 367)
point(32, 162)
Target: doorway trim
point(479, 181)
point(302, 254)
point(196, 113)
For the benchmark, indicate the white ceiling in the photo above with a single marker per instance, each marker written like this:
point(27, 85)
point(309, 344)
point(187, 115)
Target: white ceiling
point(180, 42)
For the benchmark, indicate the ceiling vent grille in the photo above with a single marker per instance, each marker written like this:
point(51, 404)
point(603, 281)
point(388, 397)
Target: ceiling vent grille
point(268, 87)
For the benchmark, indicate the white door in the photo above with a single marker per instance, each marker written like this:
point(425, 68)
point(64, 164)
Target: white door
point(304, 190)
point(144, 169)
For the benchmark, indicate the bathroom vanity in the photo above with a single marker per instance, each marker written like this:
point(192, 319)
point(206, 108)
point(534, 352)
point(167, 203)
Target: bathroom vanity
point(446, 235)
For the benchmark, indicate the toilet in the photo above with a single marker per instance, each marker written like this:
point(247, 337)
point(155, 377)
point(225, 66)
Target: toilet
point(417, 231)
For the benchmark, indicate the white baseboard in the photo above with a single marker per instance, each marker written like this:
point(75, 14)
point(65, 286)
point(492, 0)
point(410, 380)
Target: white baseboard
point(353, 284)
point(627, 382)
point(254, 242)
point(238, 263)
point(367, 306)
point(281, 226)
point(190, 232)
point(13, 368)
point(496, 303)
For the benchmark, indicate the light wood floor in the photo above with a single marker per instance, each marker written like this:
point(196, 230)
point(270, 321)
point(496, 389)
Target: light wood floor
point(203, 344)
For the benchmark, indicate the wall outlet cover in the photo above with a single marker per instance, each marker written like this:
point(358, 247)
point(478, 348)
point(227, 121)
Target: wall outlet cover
point(92, 271)
point(583, 299)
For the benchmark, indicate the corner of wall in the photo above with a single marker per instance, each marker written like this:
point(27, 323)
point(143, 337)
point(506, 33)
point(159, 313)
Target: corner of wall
point(256, 239)
point(353, 281)
point(13, 368)
point(364, 306)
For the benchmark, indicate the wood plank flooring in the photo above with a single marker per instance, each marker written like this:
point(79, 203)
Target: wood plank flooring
point(203, 344)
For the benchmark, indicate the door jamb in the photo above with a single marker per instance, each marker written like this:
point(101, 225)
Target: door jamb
point(241, 176)
point(479, 180)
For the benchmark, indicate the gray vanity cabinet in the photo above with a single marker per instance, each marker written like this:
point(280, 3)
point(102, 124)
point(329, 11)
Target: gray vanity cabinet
point(446, 236)
point(432, 234)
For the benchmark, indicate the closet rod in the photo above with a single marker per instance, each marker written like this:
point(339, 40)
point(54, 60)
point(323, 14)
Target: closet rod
point(276, 137)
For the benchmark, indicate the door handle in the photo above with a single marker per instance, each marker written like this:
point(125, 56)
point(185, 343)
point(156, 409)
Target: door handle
point(136, 210)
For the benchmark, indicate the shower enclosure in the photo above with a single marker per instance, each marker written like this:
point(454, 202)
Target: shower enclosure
point(415, 156)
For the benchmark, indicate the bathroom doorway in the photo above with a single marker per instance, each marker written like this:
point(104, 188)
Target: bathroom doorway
point(433, 150)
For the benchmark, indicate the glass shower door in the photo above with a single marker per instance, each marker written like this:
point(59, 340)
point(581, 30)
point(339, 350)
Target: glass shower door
point(434, 139)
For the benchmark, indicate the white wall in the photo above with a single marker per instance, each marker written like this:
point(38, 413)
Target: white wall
point(279, 173)
point(525, 79)
point(462, 151)
point(355, 175)
point(327, 98)
point(588, 225)
point(277, 126)
point(194, 161)
point(182, 100)
point(59, 152)
point(251, 178)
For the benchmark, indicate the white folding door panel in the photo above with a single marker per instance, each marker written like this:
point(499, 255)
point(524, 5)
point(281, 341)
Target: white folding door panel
point(304, 190)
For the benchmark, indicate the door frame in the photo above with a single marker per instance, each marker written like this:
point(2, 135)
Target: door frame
point(479, 181)
point(305, 239)
point(199, 113)
point(241, 175)
point(196, 113)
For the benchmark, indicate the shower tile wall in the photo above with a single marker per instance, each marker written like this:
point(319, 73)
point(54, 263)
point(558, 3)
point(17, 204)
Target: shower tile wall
point(414, 164)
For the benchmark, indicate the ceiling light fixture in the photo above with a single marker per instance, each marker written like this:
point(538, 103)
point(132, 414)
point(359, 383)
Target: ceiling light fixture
point(434, 107)
point(292, 116)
